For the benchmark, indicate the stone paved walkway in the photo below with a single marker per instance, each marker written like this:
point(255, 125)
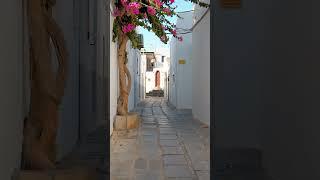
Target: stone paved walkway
point(169, 144)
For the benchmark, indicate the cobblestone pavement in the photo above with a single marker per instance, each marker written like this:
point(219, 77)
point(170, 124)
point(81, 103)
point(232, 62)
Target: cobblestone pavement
point(168, 145)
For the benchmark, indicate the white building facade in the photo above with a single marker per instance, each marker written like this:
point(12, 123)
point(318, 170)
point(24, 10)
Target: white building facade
point(201, 64)
point(180, 76)
point(113, 78)
point(134, 59)
point(163, 57)
point(156, 77)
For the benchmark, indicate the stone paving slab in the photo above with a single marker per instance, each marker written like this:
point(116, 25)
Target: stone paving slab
point(168, 145)
point(168, 132)
point(167, 136)
point(169, 142)
point(203, 175)
point(178, 171)
point(174, 160)
point(172, 150)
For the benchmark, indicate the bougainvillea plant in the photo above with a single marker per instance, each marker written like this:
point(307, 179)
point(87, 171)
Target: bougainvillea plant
point(152, 15)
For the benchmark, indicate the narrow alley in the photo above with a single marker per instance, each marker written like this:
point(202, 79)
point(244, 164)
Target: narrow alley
point(168, 144)
point(246, 72)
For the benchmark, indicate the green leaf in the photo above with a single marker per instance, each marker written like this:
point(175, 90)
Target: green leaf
point(115, 30)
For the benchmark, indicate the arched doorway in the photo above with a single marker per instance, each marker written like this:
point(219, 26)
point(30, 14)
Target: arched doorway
point(157, 80)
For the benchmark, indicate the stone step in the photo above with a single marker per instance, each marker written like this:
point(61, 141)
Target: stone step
point(156, 93)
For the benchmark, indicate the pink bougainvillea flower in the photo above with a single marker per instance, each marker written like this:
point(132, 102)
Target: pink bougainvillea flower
point(167, 11)
point(125, 29)
point(128, 28)
point(163, 38)
point(163, 27)
point(133, 8)
point(116, 12)
point(180, 38)
point(131, 27)
point(171, 1)
point(174, 32)
point(145, 15)
point(151, 10)
point(124, 2)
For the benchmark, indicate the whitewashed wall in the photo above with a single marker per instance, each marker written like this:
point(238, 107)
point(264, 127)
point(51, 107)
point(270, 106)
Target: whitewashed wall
point(182, 88)
point(163, 79)
point(143, 68)
point(150, 78)
point(172, 74)
point(130, 66)
point(136, 71)
point(150, 85)
point(137, 74)
point(167, 66)
point(133, 60)
point(113, 78)
point(163, 66)
point(201, 66)
point(11, 91)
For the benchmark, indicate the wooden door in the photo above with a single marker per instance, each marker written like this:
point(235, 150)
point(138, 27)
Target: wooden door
point(157, 79)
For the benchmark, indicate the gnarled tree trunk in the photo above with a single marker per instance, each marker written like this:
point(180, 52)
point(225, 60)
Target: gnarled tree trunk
point(47, 87)
point(124, 76)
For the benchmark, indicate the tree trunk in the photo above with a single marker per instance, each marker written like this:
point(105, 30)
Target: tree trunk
point(47, 88)
point(124, 76)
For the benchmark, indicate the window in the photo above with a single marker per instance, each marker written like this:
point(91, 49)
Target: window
point(162, 59)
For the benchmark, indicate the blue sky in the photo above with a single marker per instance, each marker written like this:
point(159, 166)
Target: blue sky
point(151, 41)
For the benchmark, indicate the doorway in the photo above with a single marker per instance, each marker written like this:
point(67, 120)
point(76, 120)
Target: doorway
point(157, 80)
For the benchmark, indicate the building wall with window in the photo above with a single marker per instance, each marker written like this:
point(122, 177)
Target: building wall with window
point(163, 57)
point(159, 62)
